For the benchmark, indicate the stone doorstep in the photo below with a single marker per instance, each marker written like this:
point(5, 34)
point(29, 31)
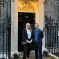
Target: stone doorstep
point(32, 53)
point(43, 56)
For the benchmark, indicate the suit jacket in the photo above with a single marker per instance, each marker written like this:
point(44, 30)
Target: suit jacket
point(24, 35)
point(40, 36)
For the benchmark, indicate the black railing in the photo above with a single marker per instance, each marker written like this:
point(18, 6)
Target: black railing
point(5, 29)
point(51, 36)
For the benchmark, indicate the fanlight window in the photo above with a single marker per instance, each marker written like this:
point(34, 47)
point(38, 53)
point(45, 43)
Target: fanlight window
point(25, 6)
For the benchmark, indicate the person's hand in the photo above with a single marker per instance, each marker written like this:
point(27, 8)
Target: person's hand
point(27, 41)
point(30, 41)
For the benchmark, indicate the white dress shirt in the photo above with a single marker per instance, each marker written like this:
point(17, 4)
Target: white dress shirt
point(29, 34)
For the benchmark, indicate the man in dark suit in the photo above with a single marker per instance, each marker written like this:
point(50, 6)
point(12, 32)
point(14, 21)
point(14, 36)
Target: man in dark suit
point(37, 38)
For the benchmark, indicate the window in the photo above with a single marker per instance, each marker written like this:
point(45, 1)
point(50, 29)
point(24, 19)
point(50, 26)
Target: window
point(26, 6)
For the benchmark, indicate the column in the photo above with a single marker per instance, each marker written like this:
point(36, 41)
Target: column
point(14, 26)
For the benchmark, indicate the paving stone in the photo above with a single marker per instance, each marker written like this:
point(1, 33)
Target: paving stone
point(43, 57)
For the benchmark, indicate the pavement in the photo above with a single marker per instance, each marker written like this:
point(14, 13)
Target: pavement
point(33, 57)
point(43, 57)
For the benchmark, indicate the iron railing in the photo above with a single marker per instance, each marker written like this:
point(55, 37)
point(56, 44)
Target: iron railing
point(51, 36)
point(5, 29)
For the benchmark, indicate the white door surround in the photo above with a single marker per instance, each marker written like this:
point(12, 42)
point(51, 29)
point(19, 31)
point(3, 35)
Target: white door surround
point(14, 22)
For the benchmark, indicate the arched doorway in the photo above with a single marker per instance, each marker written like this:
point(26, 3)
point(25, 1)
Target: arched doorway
point(39, 18)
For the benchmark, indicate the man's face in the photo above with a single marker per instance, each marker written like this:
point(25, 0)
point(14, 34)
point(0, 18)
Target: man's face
point(36, 26)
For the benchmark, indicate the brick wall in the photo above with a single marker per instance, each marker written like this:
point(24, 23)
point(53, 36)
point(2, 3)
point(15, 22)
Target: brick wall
point(51, 9)
point(3, 15)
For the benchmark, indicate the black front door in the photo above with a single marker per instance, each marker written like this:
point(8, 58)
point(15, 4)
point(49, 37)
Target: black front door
point(24, 18)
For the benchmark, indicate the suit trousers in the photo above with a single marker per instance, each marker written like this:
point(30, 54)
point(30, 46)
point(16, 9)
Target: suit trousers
point(38, 48)
point(26, 51)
